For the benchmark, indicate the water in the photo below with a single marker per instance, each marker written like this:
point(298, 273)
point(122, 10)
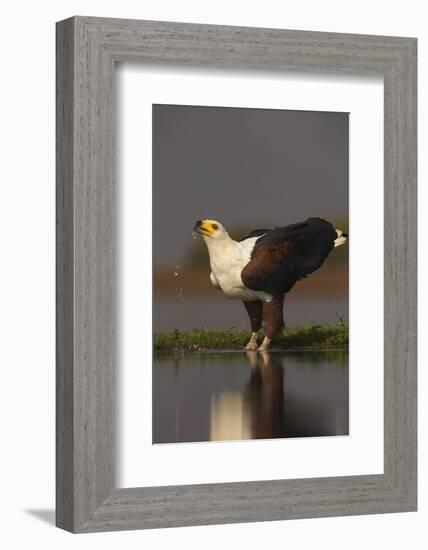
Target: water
point(218, 396)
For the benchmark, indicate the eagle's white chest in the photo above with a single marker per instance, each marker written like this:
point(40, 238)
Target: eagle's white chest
point(227, 263)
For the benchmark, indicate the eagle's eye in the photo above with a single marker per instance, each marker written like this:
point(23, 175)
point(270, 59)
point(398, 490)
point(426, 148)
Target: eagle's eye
point(214, 226)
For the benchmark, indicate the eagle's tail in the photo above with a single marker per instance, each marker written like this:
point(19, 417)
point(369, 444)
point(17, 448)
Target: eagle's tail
point(341, 238)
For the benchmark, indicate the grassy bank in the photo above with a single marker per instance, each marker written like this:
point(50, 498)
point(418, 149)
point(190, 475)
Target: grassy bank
point(308, 336)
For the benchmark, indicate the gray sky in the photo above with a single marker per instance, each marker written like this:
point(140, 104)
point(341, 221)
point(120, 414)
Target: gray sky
point(244, 167)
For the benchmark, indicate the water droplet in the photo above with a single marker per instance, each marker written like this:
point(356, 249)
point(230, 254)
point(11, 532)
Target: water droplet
point(180, 294)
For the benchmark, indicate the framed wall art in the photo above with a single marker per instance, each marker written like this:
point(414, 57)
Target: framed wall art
point(236, 274)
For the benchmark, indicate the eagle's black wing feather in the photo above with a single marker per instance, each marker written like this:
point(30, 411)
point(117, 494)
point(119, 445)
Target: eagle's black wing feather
point(285, 255)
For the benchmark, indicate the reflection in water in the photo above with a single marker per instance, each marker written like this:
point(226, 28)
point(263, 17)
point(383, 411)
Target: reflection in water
point(229, 418)
point(221, 396)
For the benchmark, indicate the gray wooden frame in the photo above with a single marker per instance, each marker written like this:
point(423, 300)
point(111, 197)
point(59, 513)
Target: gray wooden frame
point(87, 50)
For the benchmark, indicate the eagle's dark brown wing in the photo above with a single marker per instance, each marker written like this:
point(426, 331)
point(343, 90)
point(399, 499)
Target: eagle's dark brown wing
point(285, 255)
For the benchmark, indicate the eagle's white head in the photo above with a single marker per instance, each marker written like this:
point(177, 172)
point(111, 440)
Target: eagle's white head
point(211, 229)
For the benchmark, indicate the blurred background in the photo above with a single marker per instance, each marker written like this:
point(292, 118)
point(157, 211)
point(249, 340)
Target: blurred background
point(248, 169)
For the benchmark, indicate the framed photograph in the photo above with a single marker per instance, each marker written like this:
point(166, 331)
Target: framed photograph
point(236, 274)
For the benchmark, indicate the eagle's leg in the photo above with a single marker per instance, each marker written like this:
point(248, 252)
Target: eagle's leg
point(255, 313)
point(273, 319)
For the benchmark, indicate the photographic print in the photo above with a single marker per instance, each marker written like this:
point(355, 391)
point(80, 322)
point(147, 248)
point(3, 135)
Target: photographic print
point(175, 139)
point(250, 273)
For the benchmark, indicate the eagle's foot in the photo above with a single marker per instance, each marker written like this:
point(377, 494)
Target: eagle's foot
point(251, 346)
point(265, 344)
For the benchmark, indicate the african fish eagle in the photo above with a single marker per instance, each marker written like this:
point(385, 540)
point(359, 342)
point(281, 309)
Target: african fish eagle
point(265, 264)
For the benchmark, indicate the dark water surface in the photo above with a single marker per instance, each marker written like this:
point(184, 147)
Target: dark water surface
point(217, 396)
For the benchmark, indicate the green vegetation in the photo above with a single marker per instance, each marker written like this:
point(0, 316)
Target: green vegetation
point(305, 337)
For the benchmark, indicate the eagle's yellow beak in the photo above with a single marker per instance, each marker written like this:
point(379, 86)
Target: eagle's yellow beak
point(207, 228)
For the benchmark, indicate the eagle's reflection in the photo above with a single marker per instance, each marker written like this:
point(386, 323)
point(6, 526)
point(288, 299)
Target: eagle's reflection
point(264, 396)
point(272, 405)
point(257, 412)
